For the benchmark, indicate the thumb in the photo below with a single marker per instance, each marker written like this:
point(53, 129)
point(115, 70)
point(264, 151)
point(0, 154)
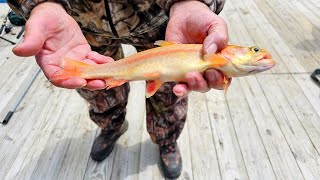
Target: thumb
point(217, 38)
point(34, 38)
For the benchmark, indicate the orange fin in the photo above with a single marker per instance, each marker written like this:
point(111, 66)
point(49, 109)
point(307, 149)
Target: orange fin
point(69, 68)
point(111, 83)
point(68, 63)
point(215, 60)
point(164, 43)
point(152, 87)
point(154, 75)
point(226, 85)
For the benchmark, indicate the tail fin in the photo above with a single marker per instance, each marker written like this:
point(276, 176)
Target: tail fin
point(69, 68)
point(215, 60)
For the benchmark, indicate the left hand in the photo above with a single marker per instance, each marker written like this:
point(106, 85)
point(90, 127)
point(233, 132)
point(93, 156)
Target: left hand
point(202, 26)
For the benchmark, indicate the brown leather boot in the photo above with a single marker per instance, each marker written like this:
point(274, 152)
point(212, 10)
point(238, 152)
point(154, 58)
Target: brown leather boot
point(104, 143)
point(170, 160)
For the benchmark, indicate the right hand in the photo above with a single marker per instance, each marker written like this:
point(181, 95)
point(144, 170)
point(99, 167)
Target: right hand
point(198, 25)
point(51, 35)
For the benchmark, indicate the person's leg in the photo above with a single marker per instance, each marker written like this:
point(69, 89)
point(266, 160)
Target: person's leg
point(107, 110)
point(166, 114)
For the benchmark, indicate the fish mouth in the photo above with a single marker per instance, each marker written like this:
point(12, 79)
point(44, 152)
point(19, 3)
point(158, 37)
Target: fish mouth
point(265, 56)
point(266, 61)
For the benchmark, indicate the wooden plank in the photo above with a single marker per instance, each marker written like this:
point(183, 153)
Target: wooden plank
point(307, 158)
point(7, 70)
point(292, 33)
point(304, 10)
point(185, 151)
point(313, 6)
point(77, 155)
point(58, 140)
point(15, 84)
point(305, 112)
point(309, 88)
point(35, 145)
point(289, 159)
point(39, 111)
point(203, 151)
point(16, 122)
point(231, 162)
point(126, 162)
point(252, 147)
point(149, 157)
point(101, 170)
point(281, 157)
point(6, 54)
point(306, 28)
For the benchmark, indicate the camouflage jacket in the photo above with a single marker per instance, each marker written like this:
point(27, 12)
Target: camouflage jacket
point(113, 18)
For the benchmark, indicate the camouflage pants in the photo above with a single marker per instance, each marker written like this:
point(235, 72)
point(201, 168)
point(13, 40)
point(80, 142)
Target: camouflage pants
point(166, 113)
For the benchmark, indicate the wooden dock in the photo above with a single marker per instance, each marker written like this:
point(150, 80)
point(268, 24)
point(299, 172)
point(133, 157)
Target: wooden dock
point(266, 127)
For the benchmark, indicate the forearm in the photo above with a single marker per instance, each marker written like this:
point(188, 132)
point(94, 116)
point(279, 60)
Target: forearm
point(24, 7)
point(215, 5)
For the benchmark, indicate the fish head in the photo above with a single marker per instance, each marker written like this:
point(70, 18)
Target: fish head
point(249, 60)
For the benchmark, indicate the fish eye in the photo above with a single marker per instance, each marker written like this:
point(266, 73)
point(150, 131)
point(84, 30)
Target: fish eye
point(255, 49)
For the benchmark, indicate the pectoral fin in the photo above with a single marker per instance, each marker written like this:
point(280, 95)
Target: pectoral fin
point(111, 83)
point(226, 85)
point(152, 87)
point(164, 43)
point(215, 60)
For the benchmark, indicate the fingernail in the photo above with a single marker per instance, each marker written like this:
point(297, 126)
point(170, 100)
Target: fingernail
point(182, 94)
point(179, 94)
point(211, 49)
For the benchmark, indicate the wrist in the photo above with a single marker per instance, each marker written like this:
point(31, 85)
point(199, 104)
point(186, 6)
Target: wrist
point(190, 5)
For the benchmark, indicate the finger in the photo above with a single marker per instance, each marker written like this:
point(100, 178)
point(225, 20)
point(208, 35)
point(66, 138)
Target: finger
point(214, 79)
point(217, 38)
point(34, 38)
point(72, 83)
point(95, 85)
point(181, 90)
point(98, 58)
point(196, 82)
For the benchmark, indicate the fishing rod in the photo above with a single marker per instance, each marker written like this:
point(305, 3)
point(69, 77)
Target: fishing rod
point(21, 96)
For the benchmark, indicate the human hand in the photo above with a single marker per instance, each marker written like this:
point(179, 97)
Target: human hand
point(197, 25)
point(51, 35)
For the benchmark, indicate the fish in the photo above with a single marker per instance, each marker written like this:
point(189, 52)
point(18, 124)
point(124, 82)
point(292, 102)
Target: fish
point(170, 62)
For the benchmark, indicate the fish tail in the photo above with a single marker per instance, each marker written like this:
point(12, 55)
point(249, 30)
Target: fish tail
point(69, 68)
